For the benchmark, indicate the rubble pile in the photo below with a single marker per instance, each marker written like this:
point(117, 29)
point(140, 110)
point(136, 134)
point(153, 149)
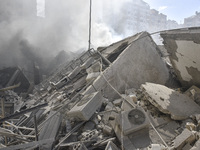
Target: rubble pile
point(119, 97)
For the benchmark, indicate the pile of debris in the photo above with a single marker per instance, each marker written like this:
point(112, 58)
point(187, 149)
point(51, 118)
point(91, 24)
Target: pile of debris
point(124, 96)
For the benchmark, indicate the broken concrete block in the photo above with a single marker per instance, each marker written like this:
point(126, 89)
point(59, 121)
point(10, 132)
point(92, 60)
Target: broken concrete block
point(117, 102)
point(109, 106)
point(111, 146)
point(107, 130)
point(133, 120)
point(133, 97)
point(190, 126)
point(185, 137)
point(168, 101)
point(183, 46)
point(87, 106)
point(194, 93)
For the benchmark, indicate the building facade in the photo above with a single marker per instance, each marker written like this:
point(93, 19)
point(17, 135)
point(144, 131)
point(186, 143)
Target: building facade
point(193, 20)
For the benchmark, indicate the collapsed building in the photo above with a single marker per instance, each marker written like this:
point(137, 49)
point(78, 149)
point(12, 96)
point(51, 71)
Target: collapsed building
point(124, 96)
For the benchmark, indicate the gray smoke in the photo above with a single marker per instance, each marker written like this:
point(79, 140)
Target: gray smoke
point(26, 38)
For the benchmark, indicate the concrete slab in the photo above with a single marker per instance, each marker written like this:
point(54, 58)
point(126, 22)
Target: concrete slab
point(194, 93)
point(168, 101)
point(184, 49)
point(138, 63)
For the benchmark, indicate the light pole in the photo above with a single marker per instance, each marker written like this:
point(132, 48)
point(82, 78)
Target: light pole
point(90, 18)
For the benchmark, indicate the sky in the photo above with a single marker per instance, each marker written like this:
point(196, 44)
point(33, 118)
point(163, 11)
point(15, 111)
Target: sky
point(175, 9)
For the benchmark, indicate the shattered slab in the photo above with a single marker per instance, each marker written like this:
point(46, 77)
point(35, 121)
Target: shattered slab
point(183, 45)
point(138, 63)
point(171, 102)
point(194, 93)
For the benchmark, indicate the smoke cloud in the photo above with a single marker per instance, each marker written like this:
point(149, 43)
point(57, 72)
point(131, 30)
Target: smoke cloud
point(26, 38)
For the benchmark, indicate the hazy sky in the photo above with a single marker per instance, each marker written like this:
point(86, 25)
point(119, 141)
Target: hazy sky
point(176, 9)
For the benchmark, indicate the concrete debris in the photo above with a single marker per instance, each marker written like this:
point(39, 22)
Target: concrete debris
point(183, 47)
point(184, 138)
point(168, 101)
point(194, 93)
point(117, 97)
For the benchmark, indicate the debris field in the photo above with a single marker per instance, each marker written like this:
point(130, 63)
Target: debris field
point(131, 95)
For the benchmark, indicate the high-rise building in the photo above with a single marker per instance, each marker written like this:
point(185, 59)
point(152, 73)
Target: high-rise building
point(134, 17)
point(193, 20)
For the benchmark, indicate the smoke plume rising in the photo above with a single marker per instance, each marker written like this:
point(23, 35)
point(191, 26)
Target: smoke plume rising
point(26, 38)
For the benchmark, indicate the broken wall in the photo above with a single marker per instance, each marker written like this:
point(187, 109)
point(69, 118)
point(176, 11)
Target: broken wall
point(184, 49)
point(140, 62)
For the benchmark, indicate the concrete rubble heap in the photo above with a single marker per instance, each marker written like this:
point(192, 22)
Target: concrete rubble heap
point(124, 96)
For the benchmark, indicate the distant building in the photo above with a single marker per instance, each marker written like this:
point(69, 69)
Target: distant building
point(157, 21)
point(135, 17)
point(193, 20)
point(172, 24)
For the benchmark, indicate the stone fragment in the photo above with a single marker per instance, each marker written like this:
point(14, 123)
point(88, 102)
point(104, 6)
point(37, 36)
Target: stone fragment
point(109, 106)
point(185, 137)
point(117, 102)
point(107, 130)
point(194, 93)
point(168, 101)
point(190, 126)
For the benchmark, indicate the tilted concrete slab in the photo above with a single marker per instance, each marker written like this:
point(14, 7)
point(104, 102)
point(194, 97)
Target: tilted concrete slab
point(168, 101)
point(184, 49)
point(140, 62)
